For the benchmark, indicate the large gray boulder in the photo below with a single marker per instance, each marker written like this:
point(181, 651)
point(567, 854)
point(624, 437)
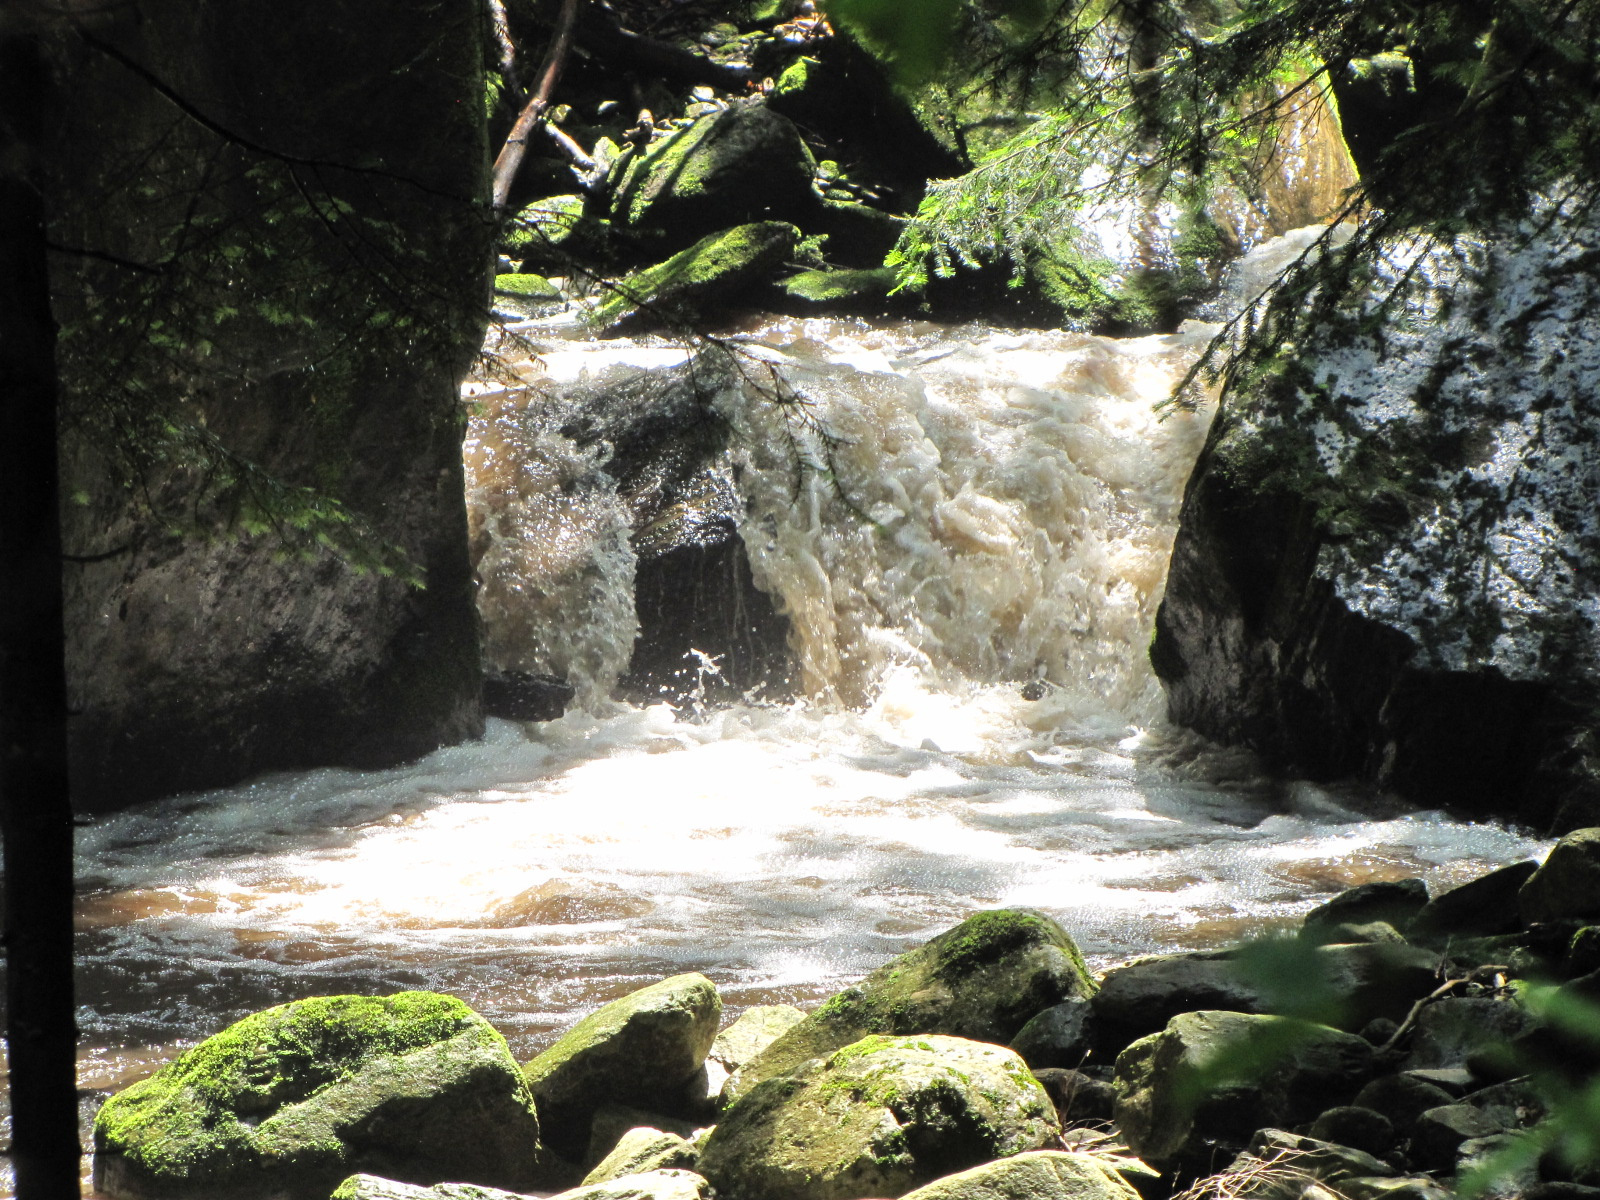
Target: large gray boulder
point(1567, 883)
point(414, 1087)
point(755, 1029)
point(983, 980)
point(878, 1118)
point(639, 1050)
point(1211, 1079)
point(1036, 1175)
point(1388, 553)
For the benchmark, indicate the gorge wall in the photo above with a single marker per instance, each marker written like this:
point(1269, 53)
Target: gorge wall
point(273, 263)
point(1386, 562)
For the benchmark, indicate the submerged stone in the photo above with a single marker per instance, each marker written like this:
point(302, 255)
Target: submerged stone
point(983, 980)
point(414, 1087)
point(877, 1118)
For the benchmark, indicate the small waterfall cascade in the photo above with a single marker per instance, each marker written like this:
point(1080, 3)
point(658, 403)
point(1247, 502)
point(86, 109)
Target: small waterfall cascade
point(959, 507)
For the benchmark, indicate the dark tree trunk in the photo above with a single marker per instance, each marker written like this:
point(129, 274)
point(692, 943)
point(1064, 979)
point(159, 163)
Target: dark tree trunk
point(35, 812)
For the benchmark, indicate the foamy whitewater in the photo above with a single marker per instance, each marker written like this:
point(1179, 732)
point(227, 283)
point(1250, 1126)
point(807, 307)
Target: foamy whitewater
point(954, 521)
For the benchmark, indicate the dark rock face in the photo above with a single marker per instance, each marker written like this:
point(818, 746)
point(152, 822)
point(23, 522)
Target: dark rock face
point(319, 278)
point(1386, 560)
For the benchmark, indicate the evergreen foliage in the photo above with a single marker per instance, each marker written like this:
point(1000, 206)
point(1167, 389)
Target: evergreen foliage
point(1462, 116)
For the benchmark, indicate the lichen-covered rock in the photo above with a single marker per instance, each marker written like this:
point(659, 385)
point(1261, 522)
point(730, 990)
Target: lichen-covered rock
point(1036, 1175)
point(981, 980)
point(878, 1118)
point(1388, 558)
point(755, 1030)
point(647, 1185)
point(1567, 883)
point(638, 1050)
point(414, 1087)
point(374, 1187)
point(718, 266)
point(744, 163)
point(644, 1149)
point(1214, 1078)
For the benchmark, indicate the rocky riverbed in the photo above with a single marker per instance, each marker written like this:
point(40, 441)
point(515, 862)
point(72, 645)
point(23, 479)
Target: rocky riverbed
point(1397, 1045)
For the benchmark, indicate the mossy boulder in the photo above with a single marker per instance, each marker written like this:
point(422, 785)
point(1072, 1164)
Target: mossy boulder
point(639, 1050)
point(1211, 1079)
point(527, 293)
point(1036, 1175)
point(840, 290)
point(644, 1149)
point(1567, 884)
point(545, 232)
point(983, 980)
point(878, 1118)
point(742, 164)
point(714, 269)
point(414, 1087)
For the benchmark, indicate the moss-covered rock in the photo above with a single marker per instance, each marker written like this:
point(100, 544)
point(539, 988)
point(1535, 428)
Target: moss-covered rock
point(1037, 1175)
point(543, 232)
point(1211, 1079)
point(982, 980)
point(638, 1050)
point(841, 290)
point(527, 293)
point(878, 1118)
point(1567, 884)
point(415, 1087)
point(742, 164)
point(644, 1149)
point(717, 266)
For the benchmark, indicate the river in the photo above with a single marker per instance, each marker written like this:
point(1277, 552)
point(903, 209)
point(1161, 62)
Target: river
point(968, 529)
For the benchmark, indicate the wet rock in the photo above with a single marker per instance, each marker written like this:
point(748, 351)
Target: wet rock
point(1403, 1187)
point(1392, 902)
point(288, 1102)
point(648, 1185)
point(1437, 1134)
point(1213, 1078)
point(638, 1050)
point(1140, 998)
point(1078, 1097)
point(1567, 883)
point(1481, 907)
point(711, 273)
point(1401, 1098)
point(560, 902)
point(1583, 952)
point(525, 696)
point(1341, 499)
point(1509, 1181)
point(644, 1149)
point(1351, 1125)
point(878, 1118)
point(1378, 980)
point(1056, 1037)
point(1036, 1175)
point(742, 164)
point(372, 1187)
point(1452, 1029)
point(1328, 1161)
point(981, 980)
point(754, 1030)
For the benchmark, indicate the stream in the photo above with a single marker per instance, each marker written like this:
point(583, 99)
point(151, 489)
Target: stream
point(968, 530)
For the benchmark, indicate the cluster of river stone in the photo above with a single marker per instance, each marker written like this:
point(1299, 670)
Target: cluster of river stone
point(986, 1063)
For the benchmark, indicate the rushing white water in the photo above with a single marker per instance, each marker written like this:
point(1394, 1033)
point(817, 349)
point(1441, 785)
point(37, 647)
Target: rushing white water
point(985, 519)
